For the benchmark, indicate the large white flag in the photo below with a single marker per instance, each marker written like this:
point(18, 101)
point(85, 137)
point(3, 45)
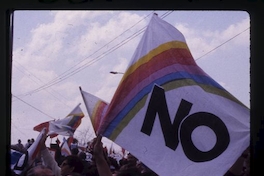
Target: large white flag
point(65, 126)
point(170, 114)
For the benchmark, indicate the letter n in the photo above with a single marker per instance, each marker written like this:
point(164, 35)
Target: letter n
point(158, 105)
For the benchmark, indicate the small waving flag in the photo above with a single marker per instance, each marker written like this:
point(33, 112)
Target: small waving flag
point(65, 126)
point(65, 149)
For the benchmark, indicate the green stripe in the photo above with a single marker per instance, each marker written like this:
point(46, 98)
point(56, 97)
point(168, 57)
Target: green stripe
point(167, 87)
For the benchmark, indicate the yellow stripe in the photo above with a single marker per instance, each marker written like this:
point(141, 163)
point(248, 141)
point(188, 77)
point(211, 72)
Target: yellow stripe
point(128, 117)
point(207, 88)
point(94, 112)
point(151, 54)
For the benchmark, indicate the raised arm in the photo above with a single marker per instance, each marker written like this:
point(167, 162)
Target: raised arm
point(100, 160)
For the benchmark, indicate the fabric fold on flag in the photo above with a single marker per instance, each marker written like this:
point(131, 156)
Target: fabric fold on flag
point(96, 108)
point(172, 115)
point(65, 126)
point(44, 125)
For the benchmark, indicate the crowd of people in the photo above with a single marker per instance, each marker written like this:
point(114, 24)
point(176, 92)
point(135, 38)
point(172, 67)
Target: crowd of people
point(101, 163)
point(22, 148)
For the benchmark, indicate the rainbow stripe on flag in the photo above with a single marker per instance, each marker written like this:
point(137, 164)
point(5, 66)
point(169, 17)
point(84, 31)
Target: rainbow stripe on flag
point(96, 108)
point(166, 108)
point(164, 60)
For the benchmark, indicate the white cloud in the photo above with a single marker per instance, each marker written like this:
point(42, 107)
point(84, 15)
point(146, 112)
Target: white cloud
point(201, 42)
point(38, 78)
point(72, 36)
point(76, 18)
point(99, 35)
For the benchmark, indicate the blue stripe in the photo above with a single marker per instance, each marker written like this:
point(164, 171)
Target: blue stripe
point(15, 156)
point(163, 80)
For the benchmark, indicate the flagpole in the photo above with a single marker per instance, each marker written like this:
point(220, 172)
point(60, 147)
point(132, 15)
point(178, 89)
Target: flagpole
point(83, 96)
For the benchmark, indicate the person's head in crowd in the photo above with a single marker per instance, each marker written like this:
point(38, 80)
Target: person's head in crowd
point(82, 155)
point(74, 174)
point(39, 170)
point(113, 164)
point(32, 140)
point(122, 162)
point(149, 173)
point(127, 166)
point(92, 171)
point(19, 141)
point(71, 163)
point(131, 159)
point(145, 169)
point(75, 151)
point(131, 171)
point(75, 141)
point(89, 147)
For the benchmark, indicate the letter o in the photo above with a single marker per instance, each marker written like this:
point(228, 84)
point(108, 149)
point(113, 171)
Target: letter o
point(211, 121)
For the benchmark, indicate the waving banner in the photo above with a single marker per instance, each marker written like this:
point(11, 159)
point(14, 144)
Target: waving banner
point(65, 126)
point(170, 114)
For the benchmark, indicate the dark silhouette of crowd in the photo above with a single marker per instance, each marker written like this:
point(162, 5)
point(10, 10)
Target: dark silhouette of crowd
point(101, 163)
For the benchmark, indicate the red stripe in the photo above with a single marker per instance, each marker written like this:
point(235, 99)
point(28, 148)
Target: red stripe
point(162, 60)
point(36, 152)
point(77, 122)
point(98, 115)
point(70, 140)
point(41, 126)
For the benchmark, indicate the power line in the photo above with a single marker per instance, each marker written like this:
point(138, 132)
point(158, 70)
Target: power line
point(18, 129)
point(33, 107)
point(99, 49)
point(64, 76)
point(110, 51)
point(222, 43)
point(37, 82)
point(86, 65)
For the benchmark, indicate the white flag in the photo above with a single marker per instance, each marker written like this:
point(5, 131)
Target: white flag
point(170, 114)
point(65, 126)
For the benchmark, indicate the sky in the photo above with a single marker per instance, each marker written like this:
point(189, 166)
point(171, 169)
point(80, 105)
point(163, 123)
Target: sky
point(56, 52)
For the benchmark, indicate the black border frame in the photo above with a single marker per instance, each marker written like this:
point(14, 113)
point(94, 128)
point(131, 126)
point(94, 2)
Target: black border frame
point(255, 8)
